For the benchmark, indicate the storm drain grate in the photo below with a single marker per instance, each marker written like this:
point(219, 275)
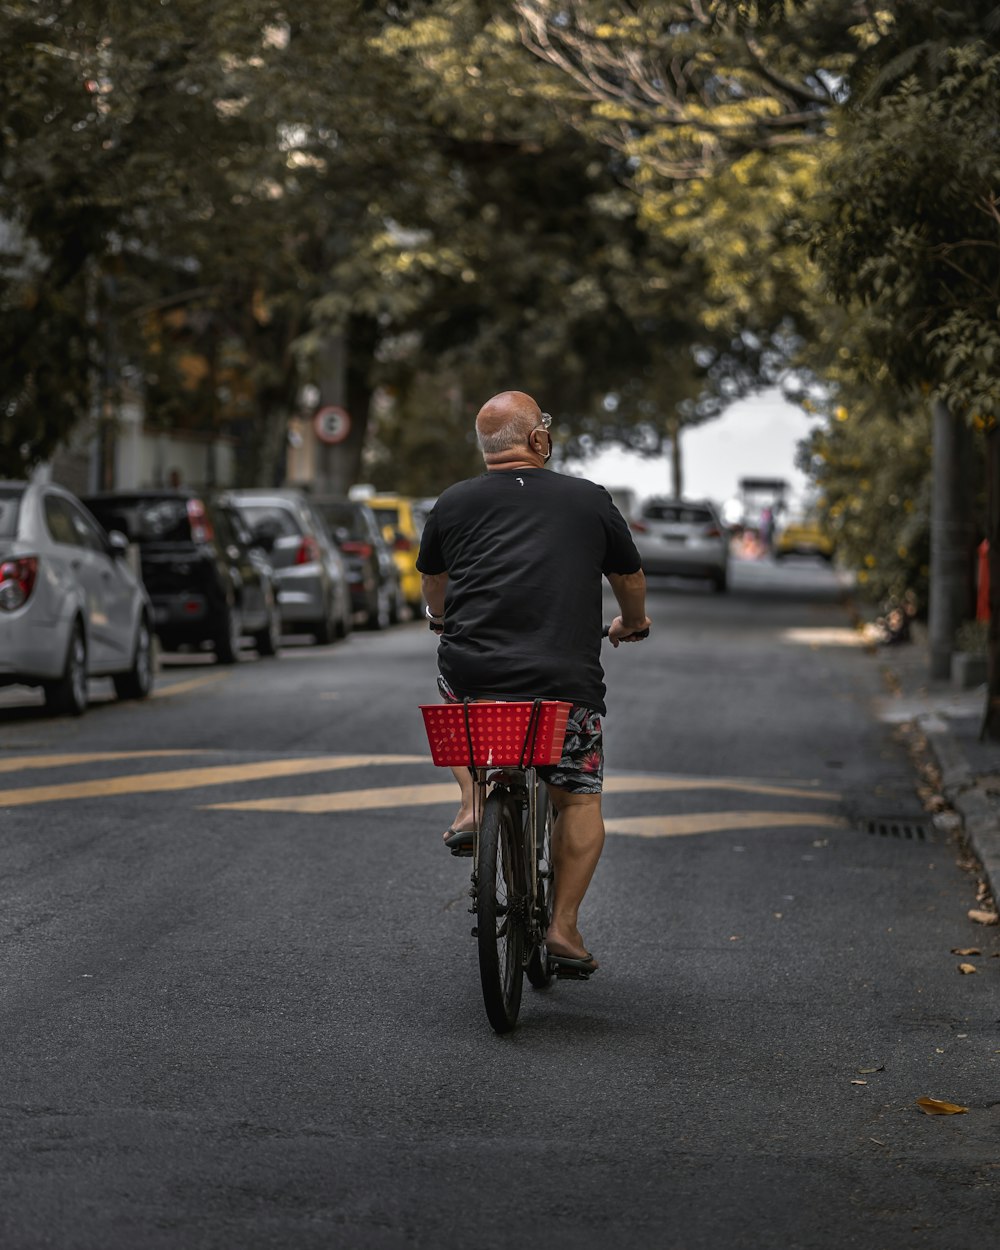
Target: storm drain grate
point(905, 828)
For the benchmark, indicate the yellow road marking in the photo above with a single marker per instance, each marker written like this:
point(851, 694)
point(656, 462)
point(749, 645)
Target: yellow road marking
point(446, 792)
point(717, 822)
point(182, 687)
point(633, 785)
point(193, 778)
point(348, 800)
point(85, 757)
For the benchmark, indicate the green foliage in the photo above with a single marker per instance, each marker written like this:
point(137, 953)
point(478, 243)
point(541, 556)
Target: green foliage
point(909, 228)
point(873, 471)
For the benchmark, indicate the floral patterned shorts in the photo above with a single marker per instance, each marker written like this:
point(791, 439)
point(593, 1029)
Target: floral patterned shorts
point(581, 768)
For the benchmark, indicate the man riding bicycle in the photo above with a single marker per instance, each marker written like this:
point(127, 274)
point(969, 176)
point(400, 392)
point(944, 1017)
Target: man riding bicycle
point(512, 565)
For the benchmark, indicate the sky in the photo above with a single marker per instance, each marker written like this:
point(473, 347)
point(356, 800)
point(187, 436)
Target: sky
point(756, 437)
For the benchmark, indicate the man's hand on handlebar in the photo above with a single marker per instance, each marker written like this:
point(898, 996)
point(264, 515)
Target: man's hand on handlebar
point(634, 631)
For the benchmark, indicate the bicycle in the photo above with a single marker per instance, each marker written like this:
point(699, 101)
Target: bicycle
point(503, 743)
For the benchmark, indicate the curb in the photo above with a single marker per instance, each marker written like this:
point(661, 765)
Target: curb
point(980, 817)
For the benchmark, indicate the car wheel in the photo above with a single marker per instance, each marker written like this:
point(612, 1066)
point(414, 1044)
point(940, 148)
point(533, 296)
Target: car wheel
point(227, 644)
point(345, 621)
point(721, 582)
point(380, 617)
point(268, 639)
point(137, 682)
point(325, 631)
point(396, 608)
point(68, 695)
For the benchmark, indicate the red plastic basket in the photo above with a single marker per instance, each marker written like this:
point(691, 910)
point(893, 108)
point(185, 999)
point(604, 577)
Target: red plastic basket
point(502, 734)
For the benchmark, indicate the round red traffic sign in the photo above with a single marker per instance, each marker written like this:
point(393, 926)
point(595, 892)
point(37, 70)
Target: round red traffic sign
point(332, 424)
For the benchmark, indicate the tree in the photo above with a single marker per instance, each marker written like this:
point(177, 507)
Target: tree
point(910, 231)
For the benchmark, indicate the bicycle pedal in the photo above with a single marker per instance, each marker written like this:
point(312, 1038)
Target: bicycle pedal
point(569, 974)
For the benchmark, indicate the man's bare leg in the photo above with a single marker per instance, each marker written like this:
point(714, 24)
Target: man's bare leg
point(466, 816)
point(577, 842)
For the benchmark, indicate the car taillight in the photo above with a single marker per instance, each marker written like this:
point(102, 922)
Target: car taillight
point(401, 543)
point(17, 580)
point(357, 549)
point(640, 527)
point(308, 552)
point(713, 532)
point(201, 526)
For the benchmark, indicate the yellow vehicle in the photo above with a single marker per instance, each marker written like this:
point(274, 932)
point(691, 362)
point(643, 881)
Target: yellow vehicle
point(401, 525)
point(802, 535)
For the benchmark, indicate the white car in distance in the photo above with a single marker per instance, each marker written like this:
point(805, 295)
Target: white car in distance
point(71, 607)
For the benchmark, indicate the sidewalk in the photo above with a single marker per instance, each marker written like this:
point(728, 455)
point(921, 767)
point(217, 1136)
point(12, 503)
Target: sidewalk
point(950, 720)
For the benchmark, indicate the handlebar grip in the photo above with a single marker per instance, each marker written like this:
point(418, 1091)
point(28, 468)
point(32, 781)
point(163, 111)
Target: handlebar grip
point(639, 633)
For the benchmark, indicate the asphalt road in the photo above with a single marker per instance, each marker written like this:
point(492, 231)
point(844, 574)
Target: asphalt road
point(240, 1003)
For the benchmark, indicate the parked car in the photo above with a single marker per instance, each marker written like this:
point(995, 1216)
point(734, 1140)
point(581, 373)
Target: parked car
point(802, 535)
point(401, 525)
point(309, 570)
point(376, 593)
point(70, 606)
point(207, 580)
point(683, 538)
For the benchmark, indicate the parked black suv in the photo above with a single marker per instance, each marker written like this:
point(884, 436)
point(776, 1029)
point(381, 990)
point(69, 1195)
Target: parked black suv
point(371, 569)
point(206, 579)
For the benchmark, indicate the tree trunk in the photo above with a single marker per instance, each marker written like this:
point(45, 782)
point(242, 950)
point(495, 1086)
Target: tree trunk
point(676, 464)
point(991, 715)
point(952, 530)
point(361, 344)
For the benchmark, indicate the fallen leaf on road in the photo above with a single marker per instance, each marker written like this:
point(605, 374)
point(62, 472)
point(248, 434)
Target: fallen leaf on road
point(965, 969)
point(935, 1106)
point(859, 1082)
point(984, 917)
point(966, 950)
point(880, 1068)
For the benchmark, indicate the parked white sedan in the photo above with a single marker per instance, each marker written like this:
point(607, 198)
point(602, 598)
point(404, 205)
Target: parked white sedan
point(683, 538)
point(70, 606)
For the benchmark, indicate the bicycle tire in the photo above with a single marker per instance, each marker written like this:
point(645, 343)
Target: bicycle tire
point(537, 966)
point(501, 900)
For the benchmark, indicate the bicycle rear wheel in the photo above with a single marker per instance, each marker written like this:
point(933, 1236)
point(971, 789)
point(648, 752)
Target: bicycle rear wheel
point(501, 903)
point(537, 966)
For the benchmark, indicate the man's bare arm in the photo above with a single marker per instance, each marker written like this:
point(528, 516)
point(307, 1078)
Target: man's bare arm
point(630, 591)
point(434, 586)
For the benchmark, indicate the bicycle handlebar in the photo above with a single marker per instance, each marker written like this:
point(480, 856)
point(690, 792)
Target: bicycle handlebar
point(639, 633)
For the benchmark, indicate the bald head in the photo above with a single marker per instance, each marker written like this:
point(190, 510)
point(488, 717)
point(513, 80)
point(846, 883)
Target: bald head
point(505, 422)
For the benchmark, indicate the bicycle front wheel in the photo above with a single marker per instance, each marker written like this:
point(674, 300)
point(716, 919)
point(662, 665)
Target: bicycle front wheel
point(501, 900)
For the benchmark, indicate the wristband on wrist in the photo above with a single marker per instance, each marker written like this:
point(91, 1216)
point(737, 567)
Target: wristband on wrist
point(430, 615)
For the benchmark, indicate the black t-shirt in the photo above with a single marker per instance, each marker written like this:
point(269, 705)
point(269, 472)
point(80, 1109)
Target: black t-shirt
point(525, 551)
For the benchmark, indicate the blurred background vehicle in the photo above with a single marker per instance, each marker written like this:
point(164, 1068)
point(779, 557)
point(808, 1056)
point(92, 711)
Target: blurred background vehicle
point(71, 607)
point(683, 538)
point(376, 593)
point(801, 534)
point(310, 574)
point(207, 581)
point(401, 525)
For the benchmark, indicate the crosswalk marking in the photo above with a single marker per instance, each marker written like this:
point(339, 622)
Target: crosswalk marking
point(718, 822)
point(193, 778)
